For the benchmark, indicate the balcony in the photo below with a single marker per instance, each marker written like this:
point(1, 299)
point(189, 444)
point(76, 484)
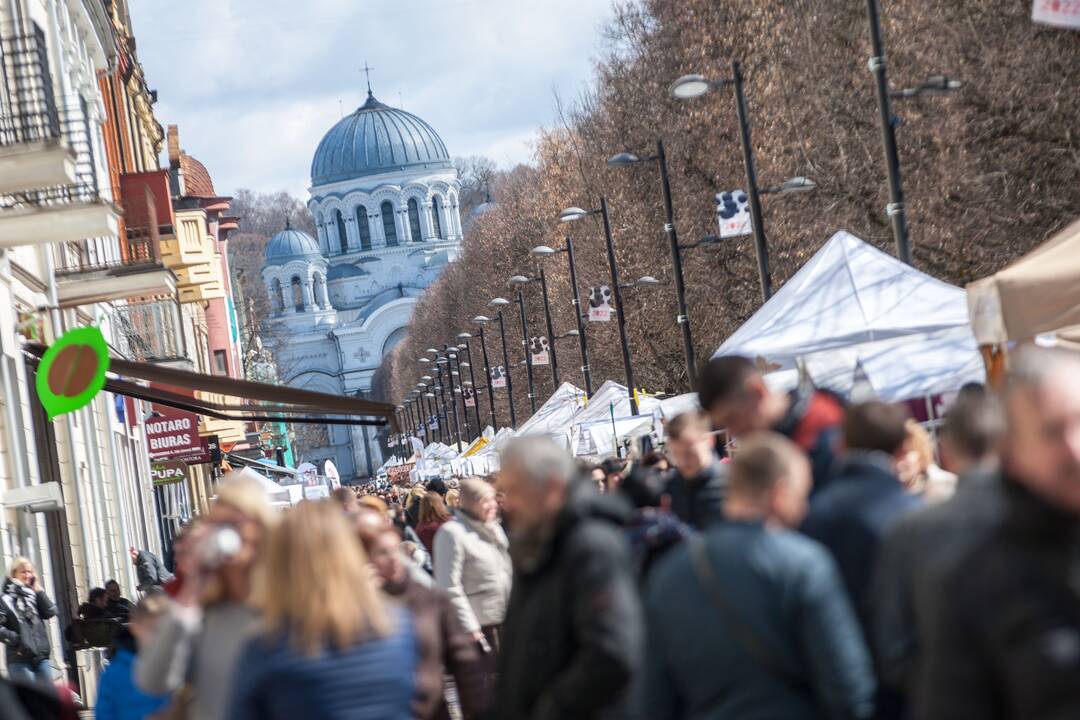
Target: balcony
point(151, 331)
point(33, 151)
point(91, 271)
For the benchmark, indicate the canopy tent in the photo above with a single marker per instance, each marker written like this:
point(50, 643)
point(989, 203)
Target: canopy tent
point(1037, 294)
point(599, 406)
point(554, 416)
point(853, 313)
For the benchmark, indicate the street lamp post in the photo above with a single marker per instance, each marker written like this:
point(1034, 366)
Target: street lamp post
point(465, 338)
point(543, 251)
point(574, 213)
point(542, 279)
point(506, 366)
point(444, 359)
point(440, 389)
point(479, 320)
point(455, 359)
point(520, 300)
point(683, 319)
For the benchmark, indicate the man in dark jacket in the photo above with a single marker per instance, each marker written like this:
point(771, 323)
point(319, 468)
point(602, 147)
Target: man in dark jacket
point(734, 393)
point(149, 569)
point(696, 484)
point(573, 630)
point(851, 515)
point(924, 546)
point(751, 620)
point(1006, 644)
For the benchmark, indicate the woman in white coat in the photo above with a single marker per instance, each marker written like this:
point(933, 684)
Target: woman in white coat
point(472, 563)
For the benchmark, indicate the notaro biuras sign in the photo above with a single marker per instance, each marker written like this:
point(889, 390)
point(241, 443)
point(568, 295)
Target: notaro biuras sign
point(174, 435)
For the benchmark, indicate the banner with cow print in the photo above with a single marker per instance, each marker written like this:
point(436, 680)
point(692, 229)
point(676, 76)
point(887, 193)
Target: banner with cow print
point(498, 376)
point(733, 214)
point(468, 396)
point(600, 304)
point(538, 349)
point(433, 423)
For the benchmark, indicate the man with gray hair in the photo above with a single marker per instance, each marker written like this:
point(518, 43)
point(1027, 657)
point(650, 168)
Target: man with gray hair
point(1005, 638)
point(573, 631)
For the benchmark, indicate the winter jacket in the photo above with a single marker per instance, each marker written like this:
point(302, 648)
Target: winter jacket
point(786, 590)
point(850, 518)
point(372, 680)
point(118, 696)
point(1006, 642)
point(917, 554)
point(472, 565)
point(426, 533)
point(812, 422)
point(443, 645)
point(23, 616)
point(573, 632)
point(150, 570)
point(699, 501)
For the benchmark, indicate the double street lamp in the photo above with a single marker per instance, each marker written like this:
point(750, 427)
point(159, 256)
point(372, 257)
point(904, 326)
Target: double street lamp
point(465, 337)
point(520, 301)
point(480, 320)
point(542, 251)
point(692, 86)
point(519, 281)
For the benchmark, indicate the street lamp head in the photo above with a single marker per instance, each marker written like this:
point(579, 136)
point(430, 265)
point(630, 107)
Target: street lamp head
point(429, 395)
point(646, 281)
point(441, 361)
point(427, 378)
point(572, 213)
point(570, 334)
point(499, 302)
point(542, 251)
point(481, 319)
point(689, 86)
point(516, 280)
point(433, 351)
point(939, 85)
point(623, 158)
point(797, 185)
point(465, 335)
point(423, 360)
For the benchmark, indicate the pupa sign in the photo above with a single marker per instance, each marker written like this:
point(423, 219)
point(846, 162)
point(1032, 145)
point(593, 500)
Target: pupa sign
point(172, 434)
point(168, 471)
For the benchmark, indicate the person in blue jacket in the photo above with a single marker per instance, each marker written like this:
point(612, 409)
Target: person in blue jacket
point(119, 698)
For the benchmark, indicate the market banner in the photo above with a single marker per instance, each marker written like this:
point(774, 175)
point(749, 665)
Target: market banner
point(1059, 13)
point(433, 423)
point(538, 350)
point(733, 214)
point(468, 396)
point(498, 376)
point(600, 304)
point(399, 474)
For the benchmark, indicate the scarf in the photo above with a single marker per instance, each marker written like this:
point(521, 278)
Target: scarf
point(490, 532)
point(24, 600)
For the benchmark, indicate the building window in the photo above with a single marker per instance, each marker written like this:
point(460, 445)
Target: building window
point(414, 221)
point(343, 237)
point(389, 229)
point(221, 364)
point(297, 294)
point(362, 227)
point(279, 302)
point(436, 221)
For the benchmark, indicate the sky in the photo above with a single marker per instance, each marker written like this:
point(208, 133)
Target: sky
point(254, 84)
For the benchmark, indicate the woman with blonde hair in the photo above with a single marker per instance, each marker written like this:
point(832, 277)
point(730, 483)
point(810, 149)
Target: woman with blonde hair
point(199, 636)
point(331, 645)
point(453, 499)
point(472, 562)
point(412, 505)
point(24, 613)
point(917, 470)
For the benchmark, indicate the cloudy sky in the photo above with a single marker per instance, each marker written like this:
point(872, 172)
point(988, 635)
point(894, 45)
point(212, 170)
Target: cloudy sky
point(254, 84)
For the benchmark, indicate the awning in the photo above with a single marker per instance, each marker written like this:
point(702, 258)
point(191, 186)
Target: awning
point(252, 401)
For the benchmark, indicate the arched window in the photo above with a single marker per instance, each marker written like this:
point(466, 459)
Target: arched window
point(414, 221)
point(320, 231)
point(343, 237)
point(278, 301)
point(319, 287)
point(362, 227)
point(297, 294)
point(436, 221)
point(389, 229)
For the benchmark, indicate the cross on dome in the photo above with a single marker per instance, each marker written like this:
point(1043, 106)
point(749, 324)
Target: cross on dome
point(367, 71)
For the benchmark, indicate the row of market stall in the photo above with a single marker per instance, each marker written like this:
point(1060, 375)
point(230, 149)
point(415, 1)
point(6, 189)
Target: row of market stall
point(854, 320)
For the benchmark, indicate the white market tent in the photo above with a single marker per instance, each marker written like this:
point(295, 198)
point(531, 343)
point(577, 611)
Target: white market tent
point(554, 417)
point(854, 314)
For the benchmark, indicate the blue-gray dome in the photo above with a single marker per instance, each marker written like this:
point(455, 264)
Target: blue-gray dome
point(290, 244)
point(376, 139)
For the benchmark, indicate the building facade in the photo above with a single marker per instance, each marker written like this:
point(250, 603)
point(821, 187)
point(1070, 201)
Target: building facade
point(384, 196)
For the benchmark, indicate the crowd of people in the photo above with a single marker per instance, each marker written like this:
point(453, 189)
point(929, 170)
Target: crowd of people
point(828, 560)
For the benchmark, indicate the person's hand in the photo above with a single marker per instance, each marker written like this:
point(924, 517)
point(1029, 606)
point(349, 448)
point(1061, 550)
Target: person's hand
point(34, 583)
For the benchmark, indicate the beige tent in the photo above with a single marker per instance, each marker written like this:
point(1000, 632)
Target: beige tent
point(1036, 295)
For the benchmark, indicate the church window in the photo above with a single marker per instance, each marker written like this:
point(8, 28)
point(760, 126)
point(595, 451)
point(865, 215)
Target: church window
point(363, 228)
point(343, 237)
point(436, 221)
point(297, 294)
point(414, 221)
point(389, 229)
point(279, 302)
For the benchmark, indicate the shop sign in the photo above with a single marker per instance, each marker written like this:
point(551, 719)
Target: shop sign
point(168, 471)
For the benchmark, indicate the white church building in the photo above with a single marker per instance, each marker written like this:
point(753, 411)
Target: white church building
point(384, 196)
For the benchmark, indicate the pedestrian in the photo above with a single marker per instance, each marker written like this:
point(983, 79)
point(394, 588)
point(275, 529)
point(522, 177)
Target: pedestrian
point(116, 605)
point(453, 499)
point(1006, 638)
point(573, 631)
point(412, 505)
point(696, 485)
point(149, 570)
point(433, 515)
point(346, 497)
point(25, 610)
point(119, 698)
point(918, 472)
point(861, 502)
point(472, 564)
point(923, 546)
point(330, 645)
point(200, 635)
point(612, 468)
point(750, 619)
point(734, 393)
point(445, 647)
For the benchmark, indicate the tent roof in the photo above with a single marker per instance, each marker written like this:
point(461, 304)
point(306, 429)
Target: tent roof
point(1036, 294)
point(599, 405)
point(553, 417)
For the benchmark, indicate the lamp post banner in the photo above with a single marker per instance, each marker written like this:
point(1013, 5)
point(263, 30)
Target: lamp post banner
point(733, 214)
point(538, 348)
point(599, 304)
point(467, 395)
point(1059, 13)
point(498, 376)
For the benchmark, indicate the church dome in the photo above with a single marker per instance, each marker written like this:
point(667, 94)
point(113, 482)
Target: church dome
point(374, 139)
point(290, 244)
